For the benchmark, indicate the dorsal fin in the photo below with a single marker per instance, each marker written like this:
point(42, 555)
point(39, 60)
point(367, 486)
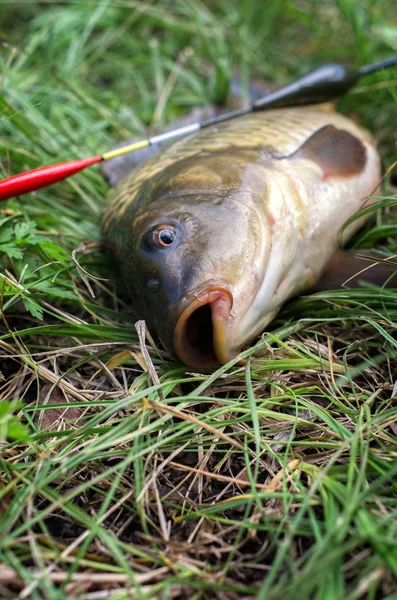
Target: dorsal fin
point(116, 169)
point(336, 151)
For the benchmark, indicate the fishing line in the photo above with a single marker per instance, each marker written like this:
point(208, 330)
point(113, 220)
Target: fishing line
point(383, 64)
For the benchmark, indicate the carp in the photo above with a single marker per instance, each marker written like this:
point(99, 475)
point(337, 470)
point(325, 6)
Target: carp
point(214, 233)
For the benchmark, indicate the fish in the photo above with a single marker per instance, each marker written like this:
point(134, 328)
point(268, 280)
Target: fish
point(214, 233)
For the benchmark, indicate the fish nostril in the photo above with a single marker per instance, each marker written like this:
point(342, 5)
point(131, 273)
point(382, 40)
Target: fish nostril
point(153, 285)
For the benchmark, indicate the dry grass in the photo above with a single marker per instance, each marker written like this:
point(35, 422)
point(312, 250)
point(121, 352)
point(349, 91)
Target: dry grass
point(122, 474)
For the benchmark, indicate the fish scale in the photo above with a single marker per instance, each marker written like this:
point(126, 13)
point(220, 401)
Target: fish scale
point(279, 131)
point(251, 212)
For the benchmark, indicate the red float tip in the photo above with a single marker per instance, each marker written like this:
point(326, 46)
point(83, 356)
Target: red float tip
point(42, 177)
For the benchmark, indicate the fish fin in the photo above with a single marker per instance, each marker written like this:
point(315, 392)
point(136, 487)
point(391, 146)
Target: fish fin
point(118, 168)
point(336, 151)
point(347, 268)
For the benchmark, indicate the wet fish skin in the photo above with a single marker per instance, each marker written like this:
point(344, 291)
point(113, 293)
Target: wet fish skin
point(256, 205)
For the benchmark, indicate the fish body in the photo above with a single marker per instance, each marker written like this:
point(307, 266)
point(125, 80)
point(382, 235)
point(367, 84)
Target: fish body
point(215, 232)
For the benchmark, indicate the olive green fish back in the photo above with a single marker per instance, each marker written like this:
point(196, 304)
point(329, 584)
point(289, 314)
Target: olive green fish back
point(279, 132)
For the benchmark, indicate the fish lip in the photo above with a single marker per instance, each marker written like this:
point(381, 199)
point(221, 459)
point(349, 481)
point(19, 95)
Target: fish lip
point(220, 300)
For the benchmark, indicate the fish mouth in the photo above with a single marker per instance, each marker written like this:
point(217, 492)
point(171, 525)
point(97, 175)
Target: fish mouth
point(200, 335)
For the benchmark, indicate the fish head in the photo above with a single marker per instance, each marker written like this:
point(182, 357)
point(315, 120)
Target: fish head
point(200, 251)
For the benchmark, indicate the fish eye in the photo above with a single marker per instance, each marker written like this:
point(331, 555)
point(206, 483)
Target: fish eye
point(163, 236)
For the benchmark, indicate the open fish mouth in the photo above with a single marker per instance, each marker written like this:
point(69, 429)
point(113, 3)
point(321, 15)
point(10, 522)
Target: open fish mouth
point(201, 332)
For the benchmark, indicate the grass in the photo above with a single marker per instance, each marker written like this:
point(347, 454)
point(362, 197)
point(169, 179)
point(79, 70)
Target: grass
point(123, 477)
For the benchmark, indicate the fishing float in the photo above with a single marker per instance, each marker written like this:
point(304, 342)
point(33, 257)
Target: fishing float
point(321, 85)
